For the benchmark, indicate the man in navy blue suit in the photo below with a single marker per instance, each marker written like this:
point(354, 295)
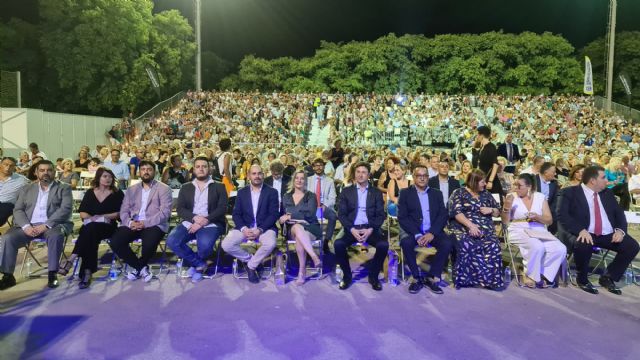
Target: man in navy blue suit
point(254, 215)
point(590, 213)
point(422, 216)
point(361, 213)
point(443, 182)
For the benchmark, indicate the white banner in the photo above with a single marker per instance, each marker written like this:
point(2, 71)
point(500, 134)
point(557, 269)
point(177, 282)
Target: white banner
point(588, 77)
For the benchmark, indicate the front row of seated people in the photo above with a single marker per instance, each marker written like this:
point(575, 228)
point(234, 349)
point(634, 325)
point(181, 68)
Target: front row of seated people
point(587, 213)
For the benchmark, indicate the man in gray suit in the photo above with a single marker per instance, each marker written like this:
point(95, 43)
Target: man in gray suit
point(144, 215)
point(325, 192)
point(42, 210)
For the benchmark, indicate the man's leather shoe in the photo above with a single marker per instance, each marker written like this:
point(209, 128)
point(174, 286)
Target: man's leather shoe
point(7, 282)
point(253, 275)
point(588, 287)
point(375, 284)
point(344, 284)
point(608, 284)
point(432, 285)
point(53, 280)
point(415, 287)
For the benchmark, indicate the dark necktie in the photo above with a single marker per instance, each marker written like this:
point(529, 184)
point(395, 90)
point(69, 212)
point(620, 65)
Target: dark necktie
point(597, 229)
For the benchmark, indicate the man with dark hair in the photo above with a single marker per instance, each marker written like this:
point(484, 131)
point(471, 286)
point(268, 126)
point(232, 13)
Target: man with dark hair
point(361, 212)
point(145, 213)
point(42, 210)
point(324, 189)
point(277, 180)
point(547, 184)
point(35, 151)
point(443, 182)
point(120, 169)
point(254, 215)
point(422, 217)
point(509, 150)
point(201, 206)
point(589, 212)
point(10, 185)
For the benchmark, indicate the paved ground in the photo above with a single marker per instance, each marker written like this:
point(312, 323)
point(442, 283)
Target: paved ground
point(170, 318)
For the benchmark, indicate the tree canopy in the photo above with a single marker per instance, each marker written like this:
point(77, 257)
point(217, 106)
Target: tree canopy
point(91, 56)
point(492, 62)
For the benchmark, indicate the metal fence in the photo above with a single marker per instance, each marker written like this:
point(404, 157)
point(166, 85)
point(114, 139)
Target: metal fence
point(619, 109)
point(160, 107)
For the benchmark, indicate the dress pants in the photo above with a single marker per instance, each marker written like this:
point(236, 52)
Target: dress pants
point(331, 216)
point(443, 245)
point(231, 245)
point(6, 210)
point(15, 238)
point(540, 257)
point(89, 239)
point(626, 251)
point(124, 236)
point(376, 239)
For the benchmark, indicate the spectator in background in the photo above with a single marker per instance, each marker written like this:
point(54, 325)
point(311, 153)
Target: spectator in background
point(82, 163)
point(35, 151)
point(67, 175)
point(10, 185)
point(120, 169)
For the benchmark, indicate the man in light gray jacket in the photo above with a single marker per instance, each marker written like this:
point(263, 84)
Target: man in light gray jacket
point(42, 210)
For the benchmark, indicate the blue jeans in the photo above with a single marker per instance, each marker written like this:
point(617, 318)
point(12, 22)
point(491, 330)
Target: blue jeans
point(205, 237)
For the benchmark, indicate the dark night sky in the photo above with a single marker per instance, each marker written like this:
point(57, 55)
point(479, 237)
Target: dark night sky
point(273, 28)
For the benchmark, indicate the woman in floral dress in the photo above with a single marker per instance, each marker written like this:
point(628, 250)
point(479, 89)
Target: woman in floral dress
point(479, 259)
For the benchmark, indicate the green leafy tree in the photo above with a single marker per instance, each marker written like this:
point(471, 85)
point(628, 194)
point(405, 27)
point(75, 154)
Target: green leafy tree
point(626, 61)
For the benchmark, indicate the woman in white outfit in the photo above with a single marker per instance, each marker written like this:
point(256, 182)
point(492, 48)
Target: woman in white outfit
point(527, 215)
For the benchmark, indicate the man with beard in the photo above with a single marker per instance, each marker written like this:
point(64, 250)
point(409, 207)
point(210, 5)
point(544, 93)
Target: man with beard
point(202, 204)
point(254, 215)
point(144, 215)
point(42, 210)
point(324, 189)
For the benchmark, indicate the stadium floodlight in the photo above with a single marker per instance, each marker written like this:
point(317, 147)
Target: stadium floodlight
point(198, 25)
point(613, 4)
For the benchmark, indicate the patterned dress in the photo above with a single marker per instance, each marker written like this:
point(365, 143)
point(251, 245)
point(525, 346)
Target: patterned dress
point(479, 260)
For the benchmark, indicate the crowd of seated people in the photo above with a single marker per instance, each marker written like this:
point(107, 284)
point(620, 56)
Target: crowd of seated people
point(217, 146)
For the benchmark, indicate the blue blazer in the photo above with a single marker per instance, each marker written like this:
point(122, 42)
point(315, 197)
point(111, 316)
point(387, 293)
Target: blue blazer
point(268, 209)
point(573, 210)
point(410, 211)
point(348, 207)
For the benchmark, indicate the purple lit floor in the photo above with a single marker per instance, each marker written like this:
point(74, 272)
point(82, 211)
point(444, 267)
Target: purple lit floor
point(226, 318)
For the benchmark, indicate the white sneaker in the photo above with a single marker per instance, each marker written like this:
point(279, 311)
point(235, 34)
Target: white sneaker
point(145, 274)
point(133, 275)
point(191, 271)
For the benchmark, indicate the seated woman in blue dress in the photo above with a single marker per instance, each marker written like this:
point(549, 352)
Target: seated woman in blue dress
point(471, 209)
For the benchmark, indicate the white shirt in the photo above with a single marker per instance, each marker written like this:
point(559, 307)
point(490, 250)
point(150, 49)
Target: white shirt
point(255, 197)
point(39, 215)
point(200, 203)
point(277, 184)
point(432, 172)
point(143, 203)
point(606, 224)
point(444, 188)
point(634, 184)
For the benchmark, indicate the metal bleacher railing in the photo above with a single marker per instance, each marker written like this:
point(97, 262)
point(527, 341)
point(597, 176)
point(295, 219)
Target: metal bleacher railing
point(160, 107)
point(627, 112)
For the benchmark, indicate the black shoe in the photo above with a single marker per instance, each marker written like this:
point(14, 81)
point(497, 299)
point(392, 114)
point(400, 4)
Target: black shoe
point(608, 283)
point(588, 287)
point(415, 287)
point(253, 275)
point(375, 284)
point(432, 285)
point(344, 284)
point(53, 280)
point(7, 281)
point(85, 282)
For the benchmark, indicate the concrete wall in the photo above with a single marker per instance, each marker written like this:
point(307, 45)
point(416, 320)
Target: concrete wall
point(57, 134)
